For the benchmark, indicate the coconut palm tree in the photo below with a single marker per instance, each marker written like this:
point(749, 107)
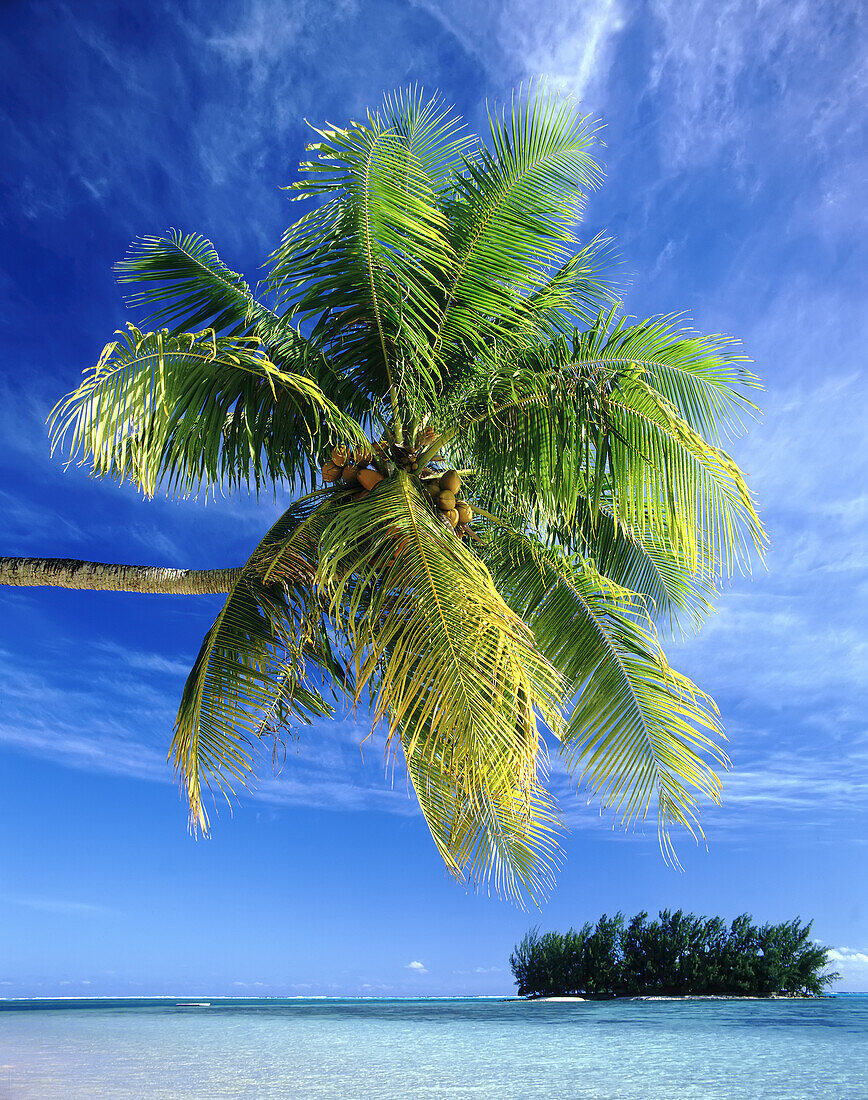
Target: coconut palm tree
point(503, 487)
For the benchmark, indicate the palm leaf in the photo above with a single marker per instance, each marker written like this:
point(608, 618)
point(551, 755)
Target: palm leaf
point(572, 296)
point(511, 221)
point(666, 475)
point(702, 377)
point(505, 836)
point(454, 672)
point(186, 285)
point(587, 422)
point(644, 562)
point(251, 676)
point(635, 732)
point(366, 265)
point(195, 412)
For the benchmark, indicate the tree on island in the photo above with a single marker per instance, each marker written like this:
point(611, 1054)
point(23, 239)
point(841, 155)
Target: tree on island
point(677, 955)
point(518, 485)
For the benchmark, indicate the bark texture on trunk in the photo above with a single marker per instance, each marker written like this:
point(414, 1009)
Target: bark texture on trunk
point(101, 576)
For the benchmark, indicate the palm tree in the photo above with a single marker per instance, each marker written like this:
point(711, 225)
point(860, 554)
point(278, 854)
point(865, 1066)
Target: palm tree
point(518, 486)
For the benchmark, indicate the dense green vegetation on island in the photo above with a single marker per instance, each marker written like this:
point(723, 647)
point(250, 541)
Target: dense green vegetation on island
point(676, 955)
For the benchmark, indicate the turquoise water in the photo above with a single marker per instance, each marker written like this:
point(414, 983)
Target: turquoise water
point(264, 1050)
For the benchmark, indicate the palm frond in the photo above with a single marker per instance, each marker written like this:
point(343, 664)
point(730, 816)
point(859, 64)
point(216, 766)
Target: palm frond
point(645, 562)
point(635, 731)
point(665, 474)
point(195, 412)
point(505, 836)
point(187, 286)
point(587, 421)
point(251, 676)
point(511, 221)
point(366, 265)
point(703, 377)
point(573, 296)
point(533, 401)
point(454, 672)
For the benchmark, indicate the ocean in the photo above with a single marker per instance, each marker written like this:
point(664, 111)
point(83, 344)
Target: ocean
point(385, 1049)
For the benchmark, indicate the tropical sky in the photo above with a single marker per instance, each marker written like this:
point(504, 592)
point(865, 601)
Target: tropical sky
point(736, 162)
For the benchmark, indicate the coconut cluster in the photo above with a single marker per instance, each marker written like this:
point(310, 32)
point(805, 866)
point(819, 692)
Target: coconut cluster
point(452, 510)
point(353, 468)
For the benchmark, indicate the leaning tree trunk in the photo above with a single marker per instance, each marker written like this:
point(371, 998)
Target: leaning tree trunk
point(100, 576)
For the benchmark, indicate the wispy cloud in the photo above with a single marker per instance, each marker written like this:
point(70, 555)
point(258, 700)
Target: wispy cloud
point(800, 781)
point(61, 906)
point(144, 662)
point(716, 64)
point(571, 44)
point(117, 718)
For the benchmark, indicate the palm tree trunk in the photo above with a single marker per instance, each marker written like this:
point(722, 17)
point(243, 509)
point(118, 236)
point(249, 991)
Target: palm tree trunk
point(95, 575)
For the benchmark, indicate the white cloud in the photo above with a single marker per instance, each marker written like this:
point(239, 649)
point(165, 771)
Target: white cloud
point(799, 780)
point(852, 965)
point(145, 662)
point(847, 954)
point(117, 718)
point(416, 966)
point(264, 32)
point(106, 753)
point(571, 44)
point(61, 906)
point(734, 72)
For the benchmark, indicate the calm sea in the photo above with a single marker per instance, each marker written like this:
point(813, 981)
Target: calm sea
point(259, 1050)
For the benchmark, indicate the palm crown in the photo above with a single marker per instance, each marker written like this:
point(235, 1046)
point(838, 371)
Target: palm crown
point(517, 484)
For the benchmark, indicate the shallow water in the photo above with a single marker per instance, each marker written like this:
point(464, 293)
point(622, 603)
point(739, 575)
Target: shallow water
point(380, 1050)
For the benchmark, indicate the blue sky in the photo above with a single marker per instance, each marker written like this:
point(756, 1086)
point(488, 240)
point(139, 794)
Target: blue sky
point(736, 161)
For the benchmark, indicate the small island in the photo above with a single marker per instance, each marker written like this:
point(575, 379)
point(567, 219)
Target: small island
point(677, 955)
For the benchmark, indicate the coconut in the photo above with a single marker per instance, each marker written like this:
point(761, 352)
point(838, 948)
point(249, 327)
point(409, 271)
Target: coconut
point(330, 472)
point(450, 481)
point(452, 516)
point(445, 501)
point(350, 474)
point(465, 512)
point(340, 455)
point(369, 478)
